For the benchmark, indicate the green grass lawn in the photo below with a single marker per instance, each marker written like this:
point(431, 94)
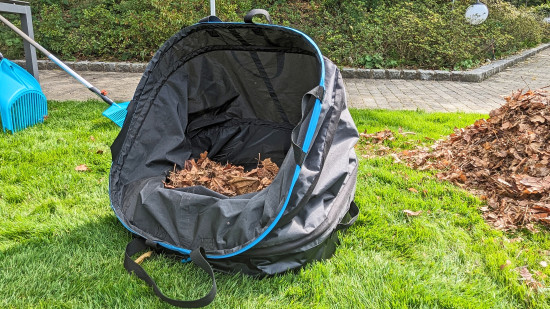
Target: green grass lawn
point(62, 246)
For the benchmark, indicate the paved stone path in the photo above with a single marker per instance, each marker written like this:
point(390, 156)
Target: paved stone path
point(445, 96)
point(60, 86)
point(448, 96)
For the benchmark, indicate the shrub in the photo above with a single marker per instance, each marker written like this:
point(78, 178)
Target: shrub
point(11, 46)
point(361, 33)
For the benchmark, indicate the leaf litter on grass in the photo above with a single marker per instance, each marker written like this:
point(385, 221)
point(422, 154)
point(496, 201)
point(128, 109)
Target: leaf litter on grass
point(229, 180)
point(504, 159)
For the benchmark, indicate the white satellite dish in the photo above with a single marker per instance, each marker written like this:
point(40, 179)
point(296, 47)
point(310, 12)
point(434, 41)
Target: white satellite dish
point(477, 13)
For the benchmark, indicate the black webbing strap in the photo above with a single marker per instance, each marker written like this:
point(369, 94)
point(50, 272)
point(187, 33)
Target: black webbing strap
point(350, 217)
point(197, 256)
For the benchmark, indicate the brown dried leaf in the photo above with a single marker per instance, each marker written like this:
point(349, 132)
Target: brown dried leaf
point(525, 274)
point(538, 119)
point(411, 213)
point(244, 185)
point(82, 168)
point(142, 257)
point(528, 278)
point(395, 158)
point(506, 125)
point(506, 264)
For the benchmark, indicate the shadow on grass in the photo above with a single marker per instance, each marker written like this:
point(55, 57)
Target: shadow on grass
point(83, 267)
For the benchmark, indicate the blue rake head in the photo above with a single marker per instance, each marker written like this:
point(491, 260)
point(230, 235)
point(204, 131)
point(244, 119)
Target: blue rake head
point(117, 113)
point(22, 103)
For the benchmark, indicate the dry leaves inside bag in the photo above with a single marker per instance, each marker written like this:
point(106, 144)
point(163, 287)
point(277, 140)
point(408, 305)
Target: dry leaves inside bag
point(229, 180)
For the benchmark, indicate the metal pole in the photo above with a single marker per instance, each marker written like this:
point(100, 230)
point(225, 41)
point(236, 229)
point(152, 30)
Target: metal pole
point(213, 7)
point(24, 10)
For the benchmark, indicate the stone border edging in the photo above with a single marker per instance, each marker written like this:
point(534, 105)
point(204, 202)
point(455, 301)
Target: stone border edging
point(475, 75)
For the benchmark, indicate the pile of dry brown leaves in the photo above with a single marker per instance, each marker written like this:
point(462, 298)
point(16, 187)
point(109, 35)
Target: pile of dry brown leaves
point(229, 180)
point(504, 159)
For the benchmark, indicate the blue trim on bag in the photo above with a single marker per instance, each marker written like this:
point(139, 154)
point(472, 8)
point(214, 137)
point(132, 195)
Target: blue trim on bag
point(307, 142)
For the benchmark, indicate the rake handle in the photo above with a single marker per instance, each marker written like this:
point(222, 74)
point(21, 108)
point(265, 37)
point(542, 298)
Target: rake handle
point(62, 65)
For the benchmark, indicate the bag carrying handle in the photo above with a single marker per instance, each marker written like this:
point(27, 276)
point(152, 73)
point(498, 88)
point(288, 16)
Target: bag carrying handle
point(197, 256)
point(248, 17)
point(351, 216)
point(298, 135)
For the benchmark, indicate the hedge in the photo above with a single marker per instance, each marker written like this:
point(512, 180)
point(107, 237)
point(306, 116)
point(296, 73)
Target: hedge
point(430, 34)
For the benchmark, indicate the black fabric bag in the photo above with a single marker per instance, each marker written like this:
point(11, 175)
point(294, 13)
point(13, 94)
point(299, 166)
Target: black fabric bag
point(237, 90)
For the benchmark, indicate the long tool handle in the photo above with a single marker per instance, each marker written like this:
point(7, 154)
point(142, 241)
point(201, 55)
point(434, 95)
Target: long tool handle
point(58, 62)
point(212, 7)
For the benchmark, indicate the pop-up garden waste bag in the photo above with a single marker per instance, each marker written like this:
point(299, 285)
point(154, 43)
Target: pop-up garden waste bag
point(239, 91)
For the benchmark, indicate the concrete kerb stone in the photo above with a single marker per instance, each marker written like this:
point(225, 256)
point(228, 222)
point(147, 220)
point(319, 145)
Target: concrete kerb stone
point(110, 66)
point(81, 66)
point(123, 67)
point(137, 67)
point(410, 74)
point(360, 73)
point(457, 76)
point(376, 74)
point(426, 74)
point(51, 66)
point(473, 76)
point(394, 74)
point(476, 75)
point(441, 75)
